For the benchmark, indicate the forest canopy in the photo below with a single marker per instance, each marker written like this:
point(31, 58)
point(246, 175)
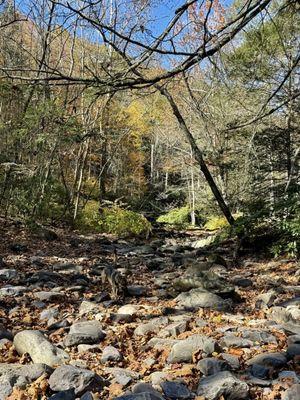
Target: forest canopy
point(187, 113)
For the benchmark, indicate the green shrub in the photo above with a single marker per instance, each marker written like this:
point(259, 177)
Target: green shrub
point(289, 241)
point(113, 220)
point(177, 217)
point(215, 223)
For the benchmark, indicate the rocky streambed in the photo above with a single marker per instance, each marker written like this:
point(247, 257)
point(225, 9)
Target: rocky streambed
point(193, 324)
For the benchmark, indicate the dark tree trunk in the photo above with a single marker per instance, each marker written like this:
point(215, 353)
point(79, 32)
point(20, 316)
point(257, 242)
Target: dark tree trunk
point(198, 156)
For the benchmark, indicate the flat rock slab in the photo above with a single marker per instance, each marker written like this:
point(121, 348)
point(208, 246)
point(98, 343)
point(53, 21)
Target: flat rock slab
point(269, 360)
point(85, 332)
point(49, 296)
point(7, 291)
point(69, 377)
point(30, 372)
point(262, 337)
point(39, 348)
point(223, 384)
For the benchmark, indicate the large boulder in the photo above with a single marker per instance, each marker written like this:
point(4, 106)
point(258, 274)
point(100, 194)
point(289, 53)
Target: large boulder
point(39, 348)
point(223, 384)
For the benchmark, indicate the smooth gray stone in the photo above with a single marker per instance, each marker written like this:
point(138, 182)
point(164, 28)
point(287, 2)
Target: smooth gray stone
point(110, 353)
point(39, 348)
point(142, 387)
point(68, 377)
point(223, 384)
point(122, 376)
point(85, 332)
point(183, 350)
point(49, 296)
point(30, 372)
point(196, 298)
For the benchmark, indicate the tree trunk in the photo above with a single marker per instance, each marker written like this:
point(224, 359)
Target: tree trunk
point(198, 155)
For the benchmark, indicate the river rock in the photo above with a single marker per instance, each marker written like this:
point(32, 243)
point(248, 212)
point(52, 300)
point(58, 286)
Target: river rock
point(174, 329)
point(269, 360)
point(151, 327)
point(231, 340)
point(183, 350)
point(49, 296)
point(6, 387)
point(284, 315)
point(64, 395)
point(110, 353)
point(30, 372)
point(142, 387)
point(196, 298)
point(210, 366)
point(4, 333)
point(293, 393)
point(39, 348)
point(293, 351)
point(122, 376)
point(69, 377)
point(175, 390)
point(87, 307)
point(14, 291)
point(85, 332)
point(7, 274)
point(223, 384)
point(262, 337)
point(140, 396)
point(266, 299)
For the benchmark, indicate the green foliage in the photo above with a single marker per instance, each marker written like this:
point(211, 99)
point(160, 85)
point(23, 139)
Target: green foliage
point(215, 223)
point(113, 220)
point(289, 241)
point(178, 217)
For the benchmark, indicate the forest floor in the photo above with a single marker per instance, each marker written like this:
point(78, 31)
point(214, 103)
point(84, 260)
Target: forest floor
point(243, 342)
